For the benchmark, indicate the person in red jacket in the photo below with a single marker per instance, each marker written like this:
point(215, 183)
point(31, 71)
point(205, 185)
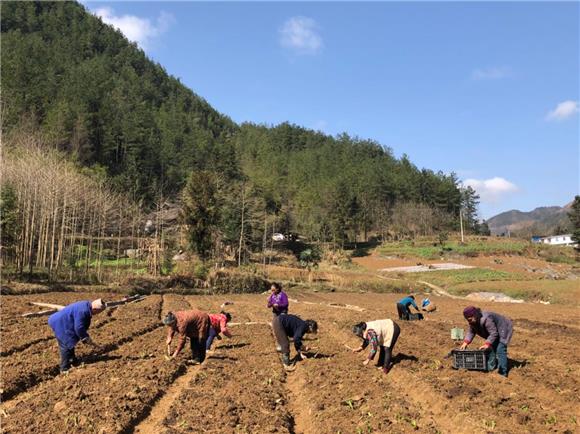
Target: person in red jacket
point(219, 324)
point(192, 324)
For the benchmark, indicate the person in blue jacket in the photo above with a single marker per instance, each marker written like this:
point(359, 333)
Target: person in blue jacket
point(70, 327)
point(403, 307)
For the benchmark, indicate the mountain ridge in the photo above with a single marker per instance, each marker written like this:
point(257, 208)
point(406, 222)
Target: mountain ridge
point(542, 220)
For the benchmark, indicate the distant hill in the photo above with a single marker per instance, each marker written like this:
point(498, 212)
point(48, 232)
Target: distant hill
point(545, 220)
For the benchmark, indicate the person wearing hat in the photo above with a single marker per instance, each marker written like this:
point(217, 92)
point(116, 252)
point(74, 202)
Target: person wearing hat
point(292, 325)
point(403, 307)
point(382, 336)
point(219, 324)
point(70, 327)
point(496, 329)
point(278, 300)
point(193, 324)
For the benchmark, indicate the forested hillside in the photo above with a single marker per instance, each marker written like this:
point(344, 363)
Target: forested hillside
point(96, 95)
point(85, 90)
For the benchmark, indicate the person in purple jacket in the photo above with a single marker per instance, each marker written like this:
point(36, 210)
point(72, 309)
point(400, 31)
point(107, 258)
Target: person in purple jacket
point(497, 331)
point(70, 327)
point(278, 300)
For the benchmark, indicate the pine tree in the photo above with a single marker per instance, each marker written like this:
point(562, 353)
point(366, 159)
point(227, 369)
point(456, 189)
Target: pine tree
point(201, 211)
point(574, 216)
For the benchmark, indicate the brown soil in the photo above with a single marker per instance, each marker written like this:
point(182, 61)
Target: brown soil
point(129, 386)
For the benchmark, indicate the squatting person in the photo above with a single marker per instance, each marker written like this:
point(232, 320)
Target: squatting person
point(278, 300)
point(193, 324)
point(291, 325)
point(218, 325)
point(496, 329)
point(403, 307)
point(381, 335)
point(70, 327)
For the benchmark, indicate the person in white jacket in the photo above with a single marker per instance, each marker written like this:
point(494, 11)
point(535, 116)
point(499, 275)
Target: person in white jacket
point(382, 336)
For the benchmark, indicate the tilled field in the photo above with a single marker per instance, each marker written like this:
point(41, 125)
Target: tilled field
point(128, 386)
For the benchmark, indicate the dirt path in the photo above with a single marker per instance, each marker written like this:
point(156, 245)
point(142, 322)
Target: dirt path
point(153, 423)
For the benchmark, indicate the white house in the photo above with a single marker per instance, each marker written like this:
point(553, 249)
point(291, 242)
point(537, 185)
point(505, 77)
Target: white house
point(558, 240)
point(278, 237)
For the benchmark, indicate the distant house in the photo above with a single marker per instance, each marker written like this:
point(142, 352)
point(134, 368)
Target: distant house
point(285, 237)
point(557, 240)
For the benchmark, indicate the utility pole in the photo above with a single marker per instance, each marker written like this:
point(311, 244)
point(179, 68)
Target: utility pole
point(461, 223)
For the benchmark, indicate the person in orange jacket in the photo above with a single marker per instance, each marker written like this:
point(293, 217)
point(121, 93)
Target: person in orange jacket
point(192, 324)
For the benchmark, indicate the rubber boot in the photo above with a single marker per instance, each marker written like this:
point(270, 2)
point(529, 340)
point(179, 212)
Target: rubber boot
point(286, 359)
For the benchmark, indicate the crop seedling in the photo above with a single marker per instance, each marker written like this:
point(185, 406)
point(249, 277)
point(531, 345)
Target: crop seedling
point(489, 424)
point(551, 420)
point(366, 429)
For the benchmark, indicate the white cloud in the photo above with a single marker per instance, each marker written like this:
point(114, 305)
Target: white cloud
point(564, 110)
point(300, 34)
point(491, 73)
point(491, 190)
point(136, 29)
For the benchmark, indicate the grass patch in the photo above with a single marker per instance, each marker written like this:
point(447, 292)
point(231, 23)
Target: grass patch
point(446, 278)
point(430, 249)
point(121, 263)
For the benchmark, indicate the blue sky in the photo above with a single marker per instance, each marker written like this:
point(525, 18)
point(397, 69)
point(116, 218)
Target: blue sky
point(487, 90)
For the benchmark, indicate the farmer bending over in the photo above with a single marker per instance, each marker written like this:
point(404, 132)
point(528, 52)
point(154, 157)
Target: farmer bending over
point(192, 324)
point(291, 325)
point(70, 327)
point(278, 300)
point(219, 324)
point(497, 331)
point(381, 334)
point(403, 307)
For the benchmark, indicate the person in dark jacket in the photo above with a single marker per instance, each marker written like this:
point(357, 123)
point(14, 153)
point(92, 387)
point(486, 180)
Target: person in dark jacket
point(278, 300)
point(403, 307)
point(293, 326)
point(70, 326)
point(496, 329)
point(193, 324)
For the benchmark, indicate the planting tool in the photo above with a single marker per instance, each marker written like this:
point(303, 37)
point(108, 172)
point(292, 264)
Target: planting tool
point(56, 307)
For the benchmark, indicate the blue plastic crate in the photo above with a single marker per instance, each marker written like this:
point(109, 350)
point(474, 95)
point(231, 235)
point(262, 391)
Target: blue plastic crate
point(473, 360)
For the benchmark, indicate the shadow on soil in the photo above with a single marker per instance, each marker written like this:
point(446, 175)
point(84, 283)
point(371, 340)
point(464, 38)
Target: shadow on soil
point(311, 355)
point(403, 357)
point(214, 357)
point(516, 363)
point(96, 358)
point(232, 346)
point(362, 249)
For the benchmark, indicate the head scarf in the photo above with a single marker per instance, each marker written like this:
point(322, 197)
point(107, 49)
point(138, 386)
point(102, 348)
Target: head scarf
point(470, 311)
point(97, 304)
point(169, 319)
